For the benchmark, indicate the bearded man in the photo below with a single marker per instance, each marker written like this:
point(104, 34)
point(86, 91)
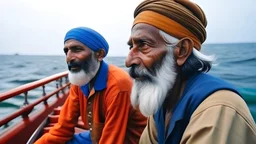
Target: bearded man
point(100, 94)
point(171, 87)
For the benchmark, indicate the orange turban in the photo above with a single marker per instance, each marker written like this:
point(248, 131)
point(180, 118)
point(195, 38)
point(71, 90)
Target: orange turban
point(179, 18)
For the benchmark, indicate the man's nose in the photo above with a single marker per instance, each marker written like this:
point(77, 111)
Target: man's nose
point(132, 58)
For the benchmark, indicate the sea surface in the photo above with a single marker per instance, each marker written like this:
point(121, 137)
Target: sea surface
point(236, 63)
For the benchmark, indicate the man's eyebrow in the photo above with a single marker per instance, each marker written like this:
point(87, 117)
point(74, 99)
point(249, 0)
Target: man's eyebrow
point(141, 39)
point(73, 46)
point(138, 39)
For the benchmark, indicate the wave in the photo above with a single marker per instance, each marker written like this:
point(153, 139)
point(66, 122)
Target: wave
point(243, 61)
point(55, 68)
point(230, 76)
point(19, 66)
point(8, 104)
point(23, 81)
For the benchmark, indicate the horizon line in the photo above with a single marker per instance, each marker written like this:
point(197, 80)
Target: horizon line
point(22, 54)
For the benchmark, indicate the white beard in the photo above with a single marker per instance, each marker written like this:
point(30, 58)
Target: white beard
point(81, 78)
point(149, 96)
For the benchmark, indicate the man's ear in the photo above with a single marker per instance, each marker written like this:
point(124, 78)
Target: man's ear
point(183, 50)
point(100, 54)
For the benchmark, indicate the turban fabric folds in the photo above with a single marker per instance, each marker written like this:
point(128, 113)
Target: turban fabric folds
point(179, 18)
point(89, 37)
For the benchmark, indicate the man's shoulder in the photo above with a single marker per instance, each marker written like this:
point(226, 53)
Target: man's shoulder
point(118, 73)
point(225, 99)
point(223, 113)
point(119, 77)
point(204, 84)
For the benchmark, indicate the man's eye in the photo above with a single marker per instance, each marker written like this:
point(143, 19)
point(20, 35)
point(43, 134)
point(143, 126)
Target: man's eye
point(76, 49)
point(142, 46)
point(65, 51)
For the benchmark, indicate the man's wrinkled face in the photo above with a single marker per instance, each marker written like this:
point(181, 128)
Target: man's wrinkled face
point(82, 63)
point(152, 66)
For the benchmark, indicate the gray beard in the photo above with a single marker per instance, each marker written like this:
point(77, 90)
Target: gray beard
point(82, 77)
point(150, 95)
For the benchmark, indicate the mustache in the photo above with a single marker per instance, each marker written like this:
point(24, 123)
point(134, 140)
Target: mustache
point(84, 65)
point(146, 74)
point(74, 64)
point(137, 72)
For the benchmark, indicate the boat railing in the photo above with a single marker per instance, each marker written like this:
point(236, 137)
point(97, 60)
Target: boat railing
point(29, 115)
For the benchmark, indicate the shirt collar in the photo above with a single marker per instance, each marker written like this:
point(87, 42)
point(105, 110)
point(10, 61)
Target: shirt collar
point(100, 81)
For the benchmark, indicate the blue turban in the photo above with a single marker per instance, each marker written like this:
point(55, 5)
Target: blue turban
point(88, 37)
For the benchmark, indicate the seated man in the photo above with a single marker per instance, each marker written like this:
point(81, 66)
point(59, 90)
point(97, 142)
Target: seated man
point(100, 94)
point(184, 104)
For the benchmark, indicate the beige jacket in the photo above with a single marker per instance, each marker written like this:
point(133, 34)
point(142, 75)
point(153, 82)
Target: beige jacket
point(222, 118)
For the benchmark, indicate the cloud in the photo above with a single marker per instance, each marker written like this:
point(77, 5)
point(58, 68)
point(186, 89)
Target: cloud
point(39, 26)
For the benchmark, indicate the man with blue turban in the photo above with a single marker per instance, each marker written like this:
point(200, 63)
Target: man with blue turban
point(100, 94)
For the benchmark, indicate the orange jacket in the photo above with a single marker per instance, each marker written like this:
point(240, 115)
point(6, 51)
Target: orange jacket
point(107, 113)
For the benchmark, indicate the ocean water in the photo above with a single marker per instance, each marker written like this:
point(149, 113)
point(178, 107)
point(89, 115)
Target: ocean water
point(236, 63)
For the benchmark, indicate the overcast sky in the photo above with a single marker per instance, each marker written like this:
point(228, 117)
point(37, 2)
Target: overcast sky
point(38, 26)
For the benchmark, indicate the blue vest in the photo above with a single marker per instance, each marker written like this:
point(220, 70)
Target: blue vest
point(198, 88)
